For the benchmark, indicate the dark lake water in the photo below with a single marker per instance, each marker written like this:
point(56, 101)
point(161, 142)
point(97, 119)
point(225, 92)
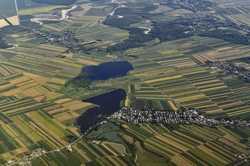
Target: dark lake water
point(108, 103)
point(107, 70)
point(104, 71)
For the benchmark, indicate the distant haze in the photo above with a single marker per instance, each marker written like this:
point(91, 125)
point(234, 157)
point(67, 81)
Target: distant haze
point(7, 8)
point(8, 13)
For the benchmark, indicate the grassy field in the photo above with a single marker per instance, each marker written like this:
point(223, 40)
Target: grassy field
point(38, 10)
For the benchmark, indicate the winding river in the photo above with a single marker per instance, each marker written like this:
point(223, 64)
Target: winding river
point(64, 15)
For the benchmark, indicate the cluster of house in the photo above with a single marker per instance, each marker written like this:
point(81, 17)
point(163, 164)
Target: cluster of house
point(66, 39)
point(188, 116)
point(231, 68)
point(26, 160)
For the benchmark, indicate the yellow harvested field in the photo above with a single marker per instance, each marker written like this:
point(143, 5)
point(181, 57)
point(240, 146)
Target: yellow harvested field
point(14, 21)
point(75, 105)
point(64, 100)
point(180, 160)
point(87, 61)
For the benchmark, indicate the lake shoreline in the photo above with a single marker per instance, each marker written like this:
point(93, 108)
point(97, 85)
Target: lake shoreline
point(107, 104)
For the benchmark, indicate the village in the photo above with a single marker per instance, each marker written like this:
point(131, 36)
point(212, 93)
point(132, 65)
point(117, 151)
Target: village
point(188, 116)
point(230, 68)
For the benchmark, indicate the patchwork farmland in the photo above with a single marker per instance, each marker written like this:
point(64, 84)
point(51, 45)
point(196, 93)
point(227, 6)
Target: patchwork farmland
point(38, 113)
point(177, 75)
point(187, 145)
point(34, 112)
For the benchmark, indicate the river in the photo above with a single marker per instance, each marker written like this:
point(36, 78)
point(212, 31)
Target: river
point(64, 15)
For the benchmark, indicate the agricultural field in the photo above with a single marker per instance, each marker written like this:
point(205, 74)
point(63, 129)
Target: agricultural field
point(176, 74)
point(180, 146)
point(38, 10)
point(39, 113)
point(175, 145)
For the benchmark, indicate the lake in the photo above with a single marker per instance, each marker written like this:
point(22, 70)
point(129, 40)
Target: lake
point(107, 70)
point(104, 71)
point(108, 104)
